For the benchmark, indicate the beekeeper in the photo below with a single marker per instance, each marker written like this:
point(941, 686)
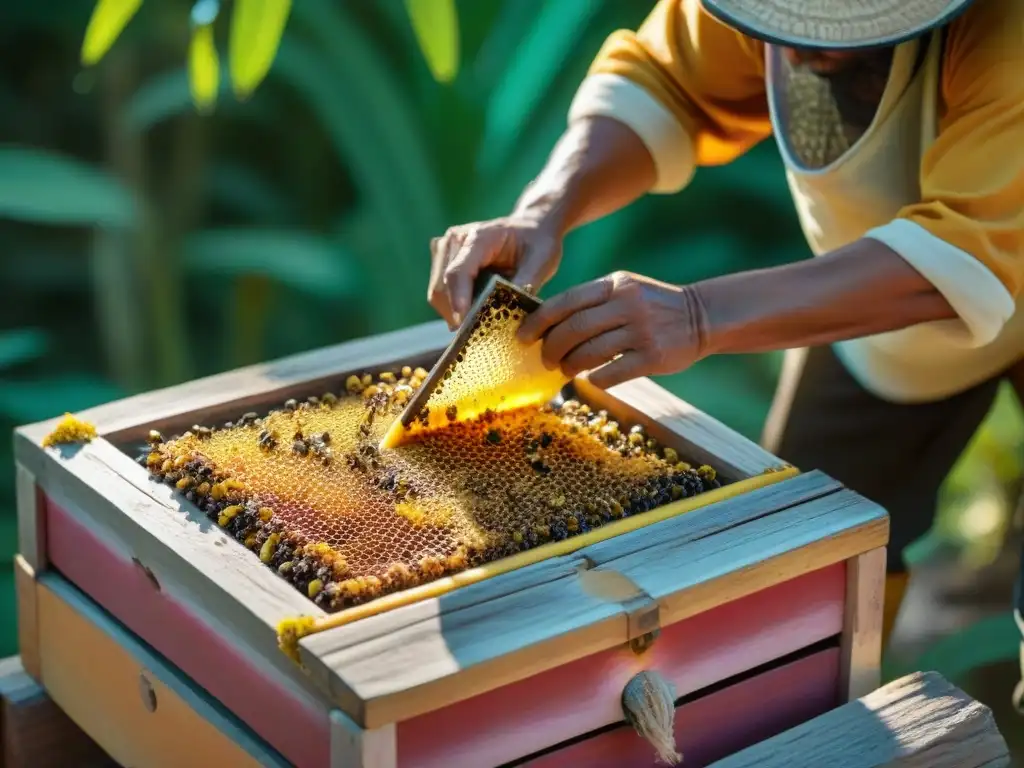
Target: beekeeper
point(901, 124)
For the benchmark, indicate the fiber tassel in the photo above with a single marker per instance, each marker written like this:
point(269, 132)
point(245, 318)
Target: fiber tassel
point(648, 702)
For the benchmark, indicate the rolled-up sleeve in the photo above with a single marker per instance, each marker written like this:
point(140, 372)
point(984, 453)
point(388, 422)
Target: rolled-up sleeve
point(690, 87)
point(966, 236)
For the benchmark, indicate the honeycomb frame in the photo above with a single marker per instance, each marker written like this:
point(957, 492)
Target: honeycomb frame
point(320, 571)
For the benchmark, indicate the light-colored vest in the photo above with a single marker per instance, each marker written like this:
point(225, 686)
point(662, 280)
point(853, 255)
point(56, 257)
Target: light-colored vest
point(865, 188)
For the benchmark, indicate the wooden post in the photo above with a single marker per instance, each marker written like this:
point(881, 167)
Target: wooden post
point(862, 627)
point(919, 721)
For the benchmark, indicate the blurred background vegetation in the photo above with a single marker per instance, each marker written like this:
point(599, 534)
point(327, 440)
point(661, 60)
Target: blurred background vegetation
point(146, 243)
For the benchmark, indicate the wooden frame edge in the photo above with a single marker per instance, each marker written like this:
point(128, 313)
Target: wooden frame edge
point(203, 399)
point(31, 521)
point(355, 747)
point(861, 643)
point(28, 617)
point(668, 417)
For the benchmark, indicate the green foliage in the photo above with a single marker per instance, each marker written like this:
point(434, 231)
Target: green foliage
point(436, 23)
point(46, 188)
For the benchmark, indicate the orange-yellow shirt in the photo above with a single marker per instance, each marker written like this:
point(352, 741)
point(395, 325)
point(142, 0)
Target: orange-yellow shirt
point(694, 90)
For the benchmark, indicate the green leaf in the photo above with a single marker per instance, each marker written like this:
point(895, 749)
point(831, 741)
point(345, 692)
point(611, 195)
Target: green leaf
point(386, 151)
point(436, 24)
point(109, 18)
point(47, 188)
point(297, 259)
point(170, 93)
point(25, 402)
point(21, 345)
point(256, 30)
point(203, 68)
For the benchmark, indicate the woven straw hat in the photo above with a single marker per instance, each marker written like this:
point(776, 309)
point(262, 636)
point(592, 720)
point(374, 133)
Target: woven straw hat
point(835, 24)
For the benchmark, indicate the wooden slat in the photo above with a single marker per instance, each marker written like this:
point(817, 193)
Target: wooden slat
point(459, 654)
point(919, 721)
point(31, 523)
point(35, 732)
point(354, 747)
point(28, 619)
point(862, 626)
point(669, 419)
point(688, 527)
point(226, 395)
point(187, 555)
point(693, 577)
point(137, 707)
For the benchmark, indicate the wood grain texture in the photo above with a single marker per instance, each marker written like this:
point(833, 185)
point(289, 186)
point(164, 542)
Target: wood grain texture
point(584, 695)
point(137, 707)
point(919, 721)
point(862, 626)
point(35, 732)
point(354, 747)
point(455, 655)
point(696, 576)
point(28, 617)
point(226, 395)
point(189, 556)
point(671, 421)
point(277, 704)
point(720, 722)
point(688, 527)
point(31, 522)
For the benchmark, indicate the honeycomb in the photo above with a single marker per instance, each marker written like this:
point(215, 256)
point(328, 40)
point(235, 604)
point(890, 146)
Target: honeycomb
point(307, 489)
point(492, 371)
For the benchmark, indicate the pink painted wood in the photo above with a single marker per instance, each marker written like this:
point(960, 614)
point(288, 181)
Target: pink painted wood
point(721, 723)
point(580, 697)
point(300, 732)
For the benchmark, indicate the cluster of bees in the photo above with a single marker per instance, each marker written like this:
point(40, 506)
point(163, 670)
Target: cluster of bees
point(307, 489)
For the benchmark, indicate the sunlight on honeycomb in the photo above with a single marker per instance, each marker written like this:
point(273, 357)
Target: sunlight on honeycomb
point(308, 491)
point(493, 371)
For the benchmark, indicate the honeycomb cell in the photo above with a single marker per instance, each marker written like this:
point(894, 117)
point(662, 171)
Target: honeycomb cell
point(308, 491)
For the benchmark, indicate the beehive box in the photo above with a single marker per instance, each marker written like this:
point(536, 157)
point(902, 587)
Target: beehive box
point(158, 622)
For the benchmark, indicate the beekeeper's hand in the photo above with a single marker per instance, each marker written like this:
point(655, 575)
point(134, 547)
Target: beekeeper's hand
point(619, 327)
point(522, 249)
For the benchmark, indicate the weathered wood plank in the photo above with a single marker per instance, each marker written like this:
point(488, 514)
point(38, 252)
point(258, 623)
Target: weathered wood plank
point(696, 576)
point(141, 710)
point(688, 527)
point(919, 721)
point(35, 731)
point(225, 395)
point(354, 747)
point(187, 555)
point(862, 626)
point(452, 657)
point(31, 521)
point(28, 623)
point(458, 654)
point(671, 420)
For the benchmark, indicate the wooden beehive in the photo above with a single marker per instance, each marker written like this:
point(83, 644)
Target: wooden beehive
point(158, 633)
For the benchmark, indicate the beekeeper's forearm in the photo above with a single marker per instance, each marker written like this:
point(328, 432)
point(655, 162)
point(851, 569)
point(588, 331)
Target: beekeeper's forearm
point(860, 290)
point(598, 166)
